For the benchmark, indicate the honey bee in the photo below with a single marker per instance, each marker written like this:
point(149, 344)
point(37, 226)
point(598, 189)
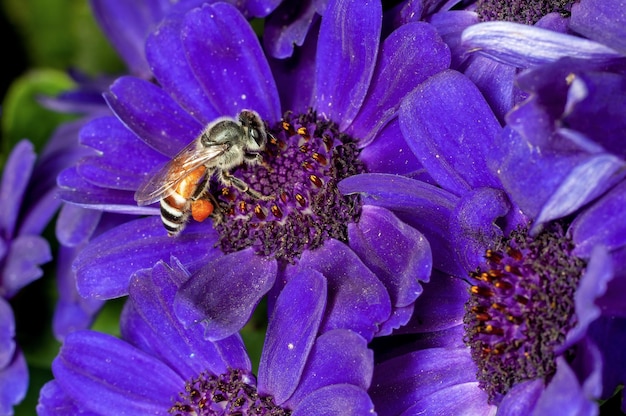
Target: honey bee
point(181, 185)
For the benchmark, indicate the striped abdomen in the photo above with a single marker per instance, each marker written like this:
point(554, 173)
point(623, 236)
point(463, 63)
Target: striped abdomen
point(184, 200)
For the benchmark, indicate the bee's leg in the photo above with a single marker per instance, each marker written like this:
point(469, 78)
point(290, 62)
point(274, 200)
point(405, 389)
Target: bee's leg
point(242, 186)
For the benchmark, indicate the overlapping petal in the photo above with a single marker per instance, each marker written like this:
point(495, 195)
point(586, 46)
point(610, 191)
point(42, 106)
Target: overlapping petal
point(346, 56)
point(224, 292)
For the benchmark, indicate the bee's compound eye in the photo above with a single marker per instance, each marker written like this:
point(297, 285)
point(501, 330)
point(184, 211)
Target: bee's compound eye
point(257, 136)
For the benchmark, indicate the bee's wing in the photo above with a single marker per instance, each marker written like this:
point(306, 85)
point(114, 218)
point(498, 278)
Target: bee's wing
point(164, 181)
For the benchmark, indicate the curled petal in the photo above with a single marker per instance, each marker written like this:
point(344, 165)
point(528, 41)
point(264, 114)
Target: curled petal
point(149, 322)
point(524, 46)
point(223, 294)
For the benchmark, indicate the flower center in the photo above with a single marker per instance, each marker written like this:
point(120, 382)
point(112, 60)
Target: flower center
point(232, 393)
point(521, 308)
point(521, 11)
point(303, 162)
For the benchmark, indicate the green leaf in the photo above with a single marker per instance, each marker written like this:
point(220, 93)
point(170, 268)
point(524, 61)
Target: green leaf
point(62, 34)
point(23, 117)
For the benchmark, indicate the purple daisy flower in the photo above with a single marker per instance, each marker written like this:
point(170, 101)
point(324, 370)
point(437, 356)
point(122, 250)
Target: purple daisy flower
point(160, 367)
point(507, 217)
point(339, 118)
point(28, 199)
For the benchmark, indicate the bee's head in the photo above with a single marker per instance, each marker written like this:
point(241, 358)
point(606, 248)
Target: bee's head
point(254, 130)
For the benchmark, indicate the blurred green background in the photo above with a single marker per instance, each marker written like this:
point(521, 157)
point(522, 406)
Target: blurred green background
point(43, 39)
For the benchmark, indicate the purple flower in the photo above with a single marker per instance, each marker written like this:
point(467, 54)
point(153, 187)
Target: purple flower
point(160, 367)
point(537, 323)
point(28, 201)
point(338, 103)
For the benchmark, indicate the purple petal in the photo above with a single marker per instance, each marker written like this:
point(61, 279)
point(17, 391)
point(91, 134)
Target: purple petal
point(604, 223)
point(452, 131)
point(236, 74)
point(53, 402)
point(104, 268)
point(7, 333)
point(75, 225)
point(223, 294)
point(522, 398)
point(15, 177)
point(22, 264)
point(346, 56)
point(347, 400)
point(414, 380)
point(165, 52)
point(398, 254)
point(260, 8)
point(13, 383)
point(126, 26)
point(582, 184)
point(524, 46)
point(296, 76)
point(152, 115)
point(95, 365)
point(441, 307)
point(465, 398)
point(72, 312)
point(389, 152)
point(149, 318)
point(357, 300)
point(423, 206)
point(550, 184)
point(408, 57)
point(601, 20)
point(450, 26)
point(496, 81)
point(593, 285)
point(610, 335)
point(338, 357)
point(399, 317)
point(122, 161)
point(595, 103)
point(565, 393)
point(287, 26)
point(76, 190)
point(473, 226)
point(612, 302)
point(291, 333)
point(38, 215)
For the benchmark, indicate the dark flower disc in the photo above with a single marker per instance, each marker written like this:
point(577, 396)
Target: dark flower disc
point(233, 393)
point(521, 11)
point(305, 159)
point(521, 308)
